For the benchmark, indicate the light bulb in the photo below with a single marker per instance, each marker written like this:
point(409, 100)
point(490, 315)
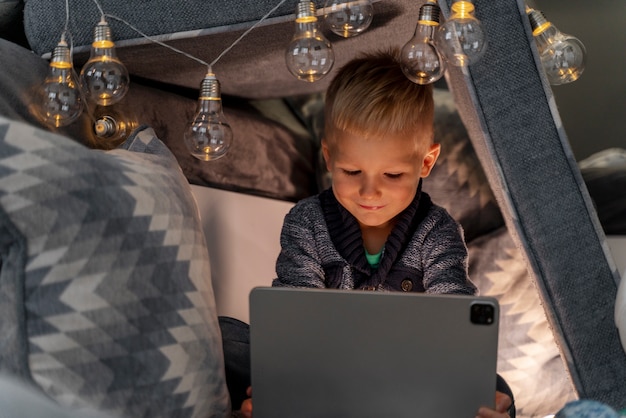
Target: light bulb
point(112, 126)
point(59, 100)
point(421, 62)
point(562, 56)
point(104, 78)
point(209, 135)
point(461, 39)
point(348, 17)
point(309, 55)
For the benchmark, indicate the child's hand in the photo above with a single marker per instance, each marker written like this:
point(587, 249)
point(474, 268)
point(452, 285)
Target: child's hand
point(246, 405)
point(503, 403)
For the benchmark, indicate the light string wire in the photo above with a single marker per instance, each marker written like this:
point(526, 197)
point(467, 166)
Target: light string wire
point(67, 34)
point(67, 20)
point(66, 37)
point(66, 28)
point(70, 42)
point(156, 41)
point(268, 14)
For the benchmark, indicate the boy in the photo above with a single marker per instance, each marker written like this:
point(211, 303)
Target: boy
point(374, 229)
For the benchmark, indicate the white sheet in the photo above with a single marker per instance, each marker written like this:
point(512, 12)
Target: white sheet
point(243, 238)
point(617, 244)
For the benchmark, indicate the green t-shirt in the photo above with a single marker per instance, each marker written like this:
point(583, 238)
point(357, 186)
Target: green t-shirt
point(374, 259)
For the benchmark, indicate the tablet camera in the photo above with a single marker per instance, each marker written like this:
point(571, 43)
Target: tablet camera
point(482, 314)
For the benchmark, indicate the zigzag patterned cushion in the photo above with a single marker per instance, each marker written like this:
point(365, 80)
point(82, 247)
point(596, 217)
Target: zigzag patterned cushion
point(105, 292)
point(528, 357)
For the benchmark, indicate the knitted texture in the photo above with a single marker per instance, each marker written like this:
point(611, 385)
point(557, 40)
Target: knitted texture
point(322, 247)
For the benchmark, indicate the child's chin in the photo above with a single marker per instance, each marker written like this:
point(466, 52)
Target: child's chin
point(373, 221)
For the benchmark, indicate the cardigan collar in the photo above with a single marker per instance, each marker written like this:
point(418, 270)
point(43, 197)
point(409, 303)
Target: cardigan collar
point(346, 235)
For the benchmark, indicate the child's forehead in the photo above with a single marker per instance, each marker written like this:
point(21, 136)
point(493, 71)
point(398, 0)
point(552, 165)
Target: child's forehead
point(414, 139)
point(386, 145)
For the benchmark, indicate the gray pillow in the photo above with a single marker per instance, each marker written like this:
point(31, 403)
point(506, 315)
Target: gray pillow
point(18, 399)
point(267, 158)
point(105, 289)
point(458, 182)
point(606, 187)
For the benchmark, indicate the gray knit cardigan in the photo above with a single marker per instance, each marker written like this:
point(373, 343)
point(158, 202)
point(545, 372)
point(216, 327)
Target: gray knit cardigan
point(322, 247)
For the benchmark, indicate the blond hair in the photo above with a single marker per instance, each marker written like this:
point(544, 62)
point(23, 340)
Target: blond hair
point(371, 96)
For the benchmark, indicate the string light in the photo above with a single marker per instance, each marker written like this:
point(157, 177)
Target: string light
point(209, 136)
point(421, 61)
point(461, 39)
point(113, 125)
point(348, 17)
point(309, 55)
point(562, 56)
point(59, 102)
point(106, 81)
point(104, 78)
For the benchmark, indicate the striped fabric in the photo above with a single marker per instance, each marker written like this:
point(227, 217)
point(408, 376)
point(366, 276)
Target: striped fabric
point(105, 280)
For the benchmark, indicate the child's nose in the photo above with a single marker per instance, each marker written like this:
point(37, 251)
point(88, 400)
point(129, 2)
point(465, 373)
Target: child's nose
point(369, 187)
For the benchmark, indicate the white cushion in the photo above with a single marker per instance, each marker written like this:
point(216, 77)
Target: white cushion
point(243, 238)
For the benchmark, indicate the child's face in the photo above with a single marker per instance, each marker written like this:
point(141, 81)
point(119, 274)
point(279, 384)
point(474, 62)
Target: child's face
point(376, 178)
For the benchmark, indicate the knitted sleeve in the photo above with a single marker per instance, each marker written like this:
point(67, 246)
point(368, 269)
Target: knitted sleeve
point(444, 255)
point(299, 263)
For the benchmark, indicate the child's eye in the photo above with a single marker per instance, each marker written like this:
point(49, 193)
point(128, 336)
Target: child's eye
point(351, 172)
point(393, 175)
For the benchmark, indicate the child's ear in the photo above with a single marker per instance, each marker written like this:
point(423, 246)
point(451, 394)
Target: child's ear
point(429, 159)
point(326, 154)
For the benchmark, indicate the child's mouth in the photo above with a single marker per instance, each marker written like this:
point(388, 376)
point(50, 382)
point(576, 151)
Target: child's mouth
point(368, 207)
